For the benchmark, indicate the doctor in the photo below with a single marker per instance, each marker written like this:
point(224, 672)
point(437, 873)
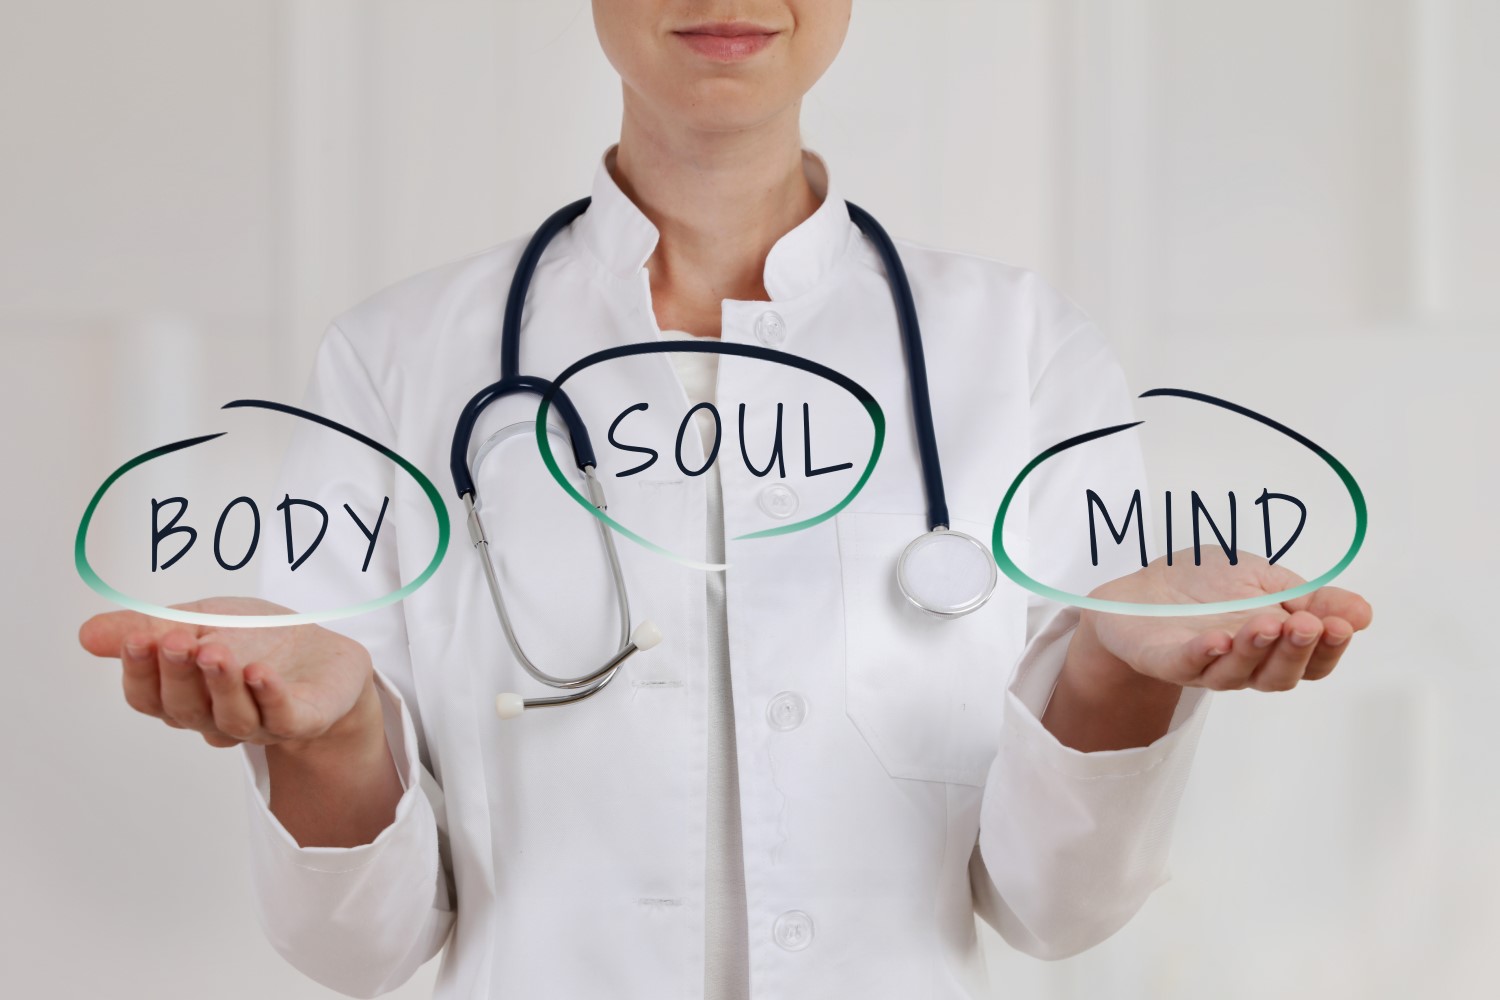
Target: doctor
point(809, 787)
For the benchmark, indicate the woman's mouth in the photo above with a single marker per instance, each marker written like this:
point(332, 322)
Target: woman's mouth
point(727, 41)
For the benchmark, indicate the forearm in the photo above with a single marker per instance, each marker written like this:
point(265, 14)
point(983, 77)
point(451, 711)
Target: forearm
point(1101, 703)
point(1072, 841)
point(339, 790)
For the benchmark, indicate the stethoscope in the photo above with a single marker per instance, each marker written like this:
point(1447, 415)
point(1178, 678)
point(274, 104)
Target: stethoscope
point(945, 573)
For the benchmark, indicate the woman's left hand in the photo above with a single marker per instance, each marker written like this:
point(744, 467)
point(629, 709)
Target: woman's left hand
point(1267, 649)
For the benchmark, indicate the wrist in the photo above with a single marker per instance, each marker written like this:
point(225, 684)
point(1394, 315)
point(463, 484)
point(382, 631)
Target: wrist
point(339, 789)
point(1100, 702)
point(358, 730)
point(1091, 666)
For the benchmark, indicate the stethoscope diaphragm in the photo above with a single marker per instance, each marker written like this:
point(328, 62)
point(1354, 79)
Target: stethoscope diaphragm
point(946, 573)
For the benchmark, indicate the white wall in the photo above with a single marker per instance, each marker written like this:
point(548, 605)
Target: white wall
point(1291, 200)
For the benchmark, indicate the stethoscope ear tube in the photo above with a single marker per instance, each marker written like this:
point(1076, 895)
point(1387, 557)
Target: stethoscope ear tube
point(510, 704)
point(644, 636)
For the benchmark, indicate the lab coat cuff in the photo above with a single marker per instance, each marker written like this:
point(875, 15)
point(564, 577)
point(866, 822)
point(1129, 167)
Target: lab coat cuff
point(1031, 689)
point(400, 734)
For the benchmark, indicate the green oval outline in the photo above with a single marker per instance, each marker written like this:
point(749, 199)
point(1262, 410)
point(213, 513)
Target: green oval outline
point(97, 584)
point(859, 392)
point(1010, 569)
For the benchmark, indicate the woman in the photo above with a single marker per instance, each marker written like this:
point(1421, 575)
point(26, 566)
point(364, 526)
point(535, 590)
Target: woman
point(808, 789)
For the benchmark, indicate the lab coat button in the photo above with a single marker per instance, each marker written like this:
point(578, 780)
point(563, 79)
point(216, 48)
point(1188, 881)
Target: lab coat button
point(793, 930)
point(778, 501)
point(786, 711)
point(770, 329)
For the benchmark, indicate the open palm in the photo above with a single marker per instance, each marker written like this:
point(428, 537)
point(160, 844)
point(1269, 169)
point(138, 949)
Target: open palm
point(276, 684)
point(1268, 649)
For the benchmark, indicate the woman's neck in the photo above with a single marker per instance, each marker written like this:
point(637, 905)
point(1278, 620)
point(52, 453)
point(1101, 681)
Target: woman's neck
point(719, 200)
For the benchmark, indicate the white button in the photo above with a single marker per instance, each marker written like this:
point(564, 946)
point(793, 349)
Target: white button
point(770, 329)
point(793, 930)
point(786, 711)
point(778, 501)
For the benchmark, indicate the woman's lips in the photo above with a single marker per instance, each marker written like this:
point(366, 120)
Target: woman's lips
point(726, 47)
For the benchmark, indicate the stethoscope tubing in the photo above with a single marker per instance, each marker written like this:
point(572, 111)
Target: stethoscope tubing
point(512, 382)
point(906, 317)
point(520, 283)
point(463, 433)
point(916, 365)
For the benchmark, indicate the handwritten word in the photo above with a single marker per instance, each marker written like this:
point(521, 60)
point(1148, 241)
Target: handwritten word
point(1231, 547)
point(160, 532)
point(777, 458)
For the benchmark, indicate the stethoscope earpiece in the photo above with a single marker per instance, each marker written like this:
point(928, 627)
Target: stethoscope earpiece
point(646, 634)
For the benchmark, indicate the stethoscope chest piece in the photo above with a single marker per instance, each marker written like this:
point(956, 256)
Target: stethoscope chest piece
point(946, 573)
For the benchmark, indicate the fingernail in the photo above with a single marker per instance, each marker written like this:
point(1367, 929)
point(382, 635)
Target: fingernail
point(1303, 638)
point(1261, 640)
point(210, 667)
point(135, 652)
point(175, 655)
point(1335, 640)
point(256, 682)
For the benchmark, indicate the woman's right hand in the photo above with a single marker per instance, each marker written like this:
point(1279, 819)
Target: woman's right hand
point(292, 686)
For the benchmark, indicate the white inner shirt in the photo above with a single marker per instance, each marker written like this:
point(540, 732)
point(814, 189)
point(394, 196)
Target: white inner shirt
point(726, 973)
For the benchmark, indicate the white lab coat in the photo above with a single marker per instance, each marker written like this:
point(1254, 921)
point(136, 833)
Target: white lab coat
point(561, 854)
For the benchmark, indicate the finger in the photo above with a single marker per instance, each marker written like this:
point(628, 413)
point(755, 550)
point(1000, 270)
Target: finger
point(1337, 602)
point(139, 676)
point(184, 696)
point(1336, 635)
point(282, 716)
point(236, 715)
point(1252, 643)
point(220, 740)
point(1288, 658)
point(104, 634)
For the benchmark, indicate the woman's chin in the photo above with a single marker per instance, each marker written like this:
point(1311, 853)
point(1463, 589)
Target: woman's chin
point(730, 108)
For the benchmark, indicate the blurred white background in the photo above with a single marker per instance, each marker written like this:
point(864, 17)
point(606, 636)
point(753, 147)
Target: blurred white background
point(1293, 201)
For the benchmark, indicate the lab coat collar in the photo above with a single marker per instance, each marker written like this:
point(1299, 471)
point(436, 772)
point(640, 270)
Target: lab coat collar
point(620, 235)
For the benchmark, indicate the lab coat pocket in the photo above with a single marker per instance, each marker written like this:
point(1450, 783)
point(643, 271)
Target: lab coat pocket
point(925, 693)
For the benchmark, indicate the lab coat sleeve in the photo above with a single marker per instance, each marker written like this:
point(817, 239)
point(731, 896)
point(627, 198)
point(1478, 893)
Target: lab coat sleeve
point(1071, 843)
point(359, 920)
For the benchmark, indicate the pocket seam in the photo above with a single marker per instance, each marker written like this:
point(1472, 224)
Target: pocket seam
point(879, 745)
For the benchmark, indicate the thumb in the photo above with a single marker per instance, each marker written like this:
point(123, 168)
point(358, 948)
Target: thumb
point(1188, 660)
